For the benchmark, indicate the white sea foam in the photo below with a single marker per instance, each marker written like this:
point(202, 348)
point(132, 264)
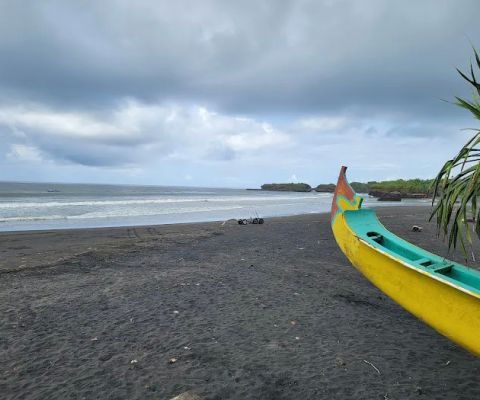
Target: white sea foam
point(90, 203)
point(146, 213)
point(119, 213)
point(33, 218)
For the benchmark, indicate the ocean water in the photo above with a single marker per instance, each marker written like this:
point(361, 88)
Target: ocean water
point(34, 206)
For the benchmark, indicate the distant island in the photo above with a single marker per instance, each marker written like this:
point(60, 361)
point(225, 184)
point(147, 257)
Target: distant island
point(287, 187)
point(384, 190)
point(325, 188)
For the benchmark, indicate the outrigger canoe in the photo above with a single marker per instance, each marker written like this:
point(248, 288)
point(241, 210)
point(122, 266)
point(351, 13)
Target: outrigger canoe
point(442, 293)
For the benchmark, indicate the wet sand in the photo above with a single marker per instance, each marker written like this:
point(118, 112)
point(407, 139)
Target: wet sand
point(231, 312)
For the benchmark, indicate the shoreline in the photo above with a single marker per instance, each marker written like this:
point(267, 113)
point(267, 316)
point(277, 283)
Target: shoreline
point(246, 312)
point(108, 227)
point(143, 220)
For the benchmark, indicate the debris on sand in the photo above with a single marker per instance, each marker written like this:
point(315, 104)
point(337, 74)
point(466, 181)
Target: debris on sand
point(172, 360)
point(151, 388)
point(187, 396)
point(229, 221)
point(373, 366)
point(417, 228)
point(340, 362)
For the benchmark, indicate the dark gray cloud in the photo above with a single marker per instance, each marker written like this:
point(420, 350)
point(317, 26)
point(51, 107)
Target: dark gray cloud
point(242, 57)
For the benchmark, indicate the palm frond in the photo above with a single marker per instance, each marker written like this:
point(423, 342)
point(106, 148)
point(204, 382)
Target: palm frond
point(457, 184)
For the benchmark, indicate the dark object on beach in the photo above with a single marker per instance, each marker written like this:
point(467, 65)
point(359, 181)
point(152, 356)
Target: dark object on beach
point(416, 228)
point(256, 221)
point(392, 196)
point(442, 293)
point(388, 199)
point(416, 196)
point(384, 195)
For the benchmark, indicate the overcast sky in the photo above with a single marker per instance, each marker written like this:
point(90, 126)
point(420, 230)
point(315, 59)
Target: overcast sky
point(231, 93)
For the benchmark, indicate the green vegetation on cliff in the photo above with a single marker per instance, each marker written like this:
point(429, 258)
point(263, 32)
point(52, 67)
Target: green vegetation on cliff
point(403, 186)
point(360, 187)
point(287, 187)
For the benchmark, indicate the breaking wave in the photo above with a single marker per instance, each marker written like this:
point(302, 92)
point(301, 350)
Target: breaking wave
point(93, 203)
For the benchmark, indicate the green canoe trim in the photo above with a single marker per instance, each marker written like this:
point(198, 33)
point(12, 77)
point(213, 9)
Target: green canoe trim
point(356, 198)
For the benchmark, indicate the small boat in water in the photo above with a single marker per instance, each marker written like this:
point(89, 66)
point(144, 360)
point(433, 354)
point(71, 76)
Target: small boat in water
point(442, 293)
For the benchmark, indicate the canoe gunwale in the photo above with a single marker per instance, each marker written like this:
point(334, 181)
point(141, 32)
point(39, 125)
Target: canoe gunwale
point(431, 274)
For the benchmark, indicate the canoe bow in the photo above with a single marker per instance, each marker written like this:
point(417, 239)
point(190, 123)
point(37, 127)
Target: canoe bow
point(442, 293)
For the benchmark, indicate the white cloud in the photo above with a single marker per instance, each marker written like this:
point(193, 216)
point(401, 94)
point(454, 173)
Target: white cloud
point(20, 152)
point(56, 123)
point(322, 124)
point(135, 132)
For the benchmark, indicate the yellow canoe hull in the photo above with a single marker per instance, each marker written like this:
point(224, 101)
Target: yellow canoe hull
point(452, 310)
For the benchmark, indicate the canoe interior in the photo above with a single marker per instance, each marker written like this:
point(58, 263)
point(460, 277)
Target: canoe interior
point(369, 229)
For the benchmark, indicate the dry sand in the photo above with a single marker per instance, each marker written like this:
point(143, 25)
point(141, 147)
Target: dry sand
point(229, 312)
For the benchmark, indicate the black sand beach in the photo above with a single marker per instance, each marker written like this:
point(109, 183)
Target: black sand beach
point(231, 312)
